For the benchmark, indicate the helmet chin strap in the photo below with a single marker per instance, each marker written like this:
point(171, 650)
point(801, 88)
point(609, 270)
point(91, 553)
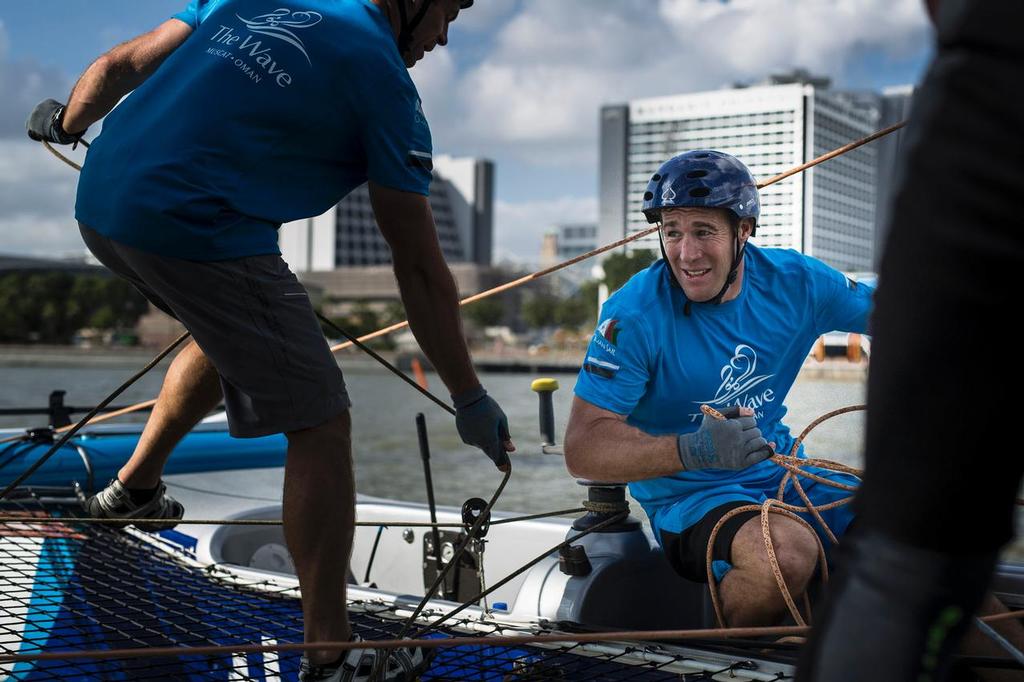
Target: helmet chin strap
point(737, 258)
point(409, 25)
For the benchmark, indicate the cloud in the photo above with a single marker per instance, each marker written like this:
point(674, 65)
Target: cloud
point(24, 83)
point(37, 193)
point(537, 92)
point(483, 16)
point(747, 36)
point(520, 226)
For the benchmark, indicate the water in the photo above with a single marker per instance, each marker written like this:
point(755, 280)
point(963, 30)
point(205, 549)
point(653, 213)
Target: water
point(384, 436)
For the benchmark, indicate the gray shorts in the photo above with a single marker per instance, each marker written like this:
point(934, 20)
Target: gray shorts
point(252, 318)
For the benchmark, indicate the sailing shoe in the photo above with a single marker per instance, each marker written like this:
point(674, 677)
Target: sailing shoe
point(403, 665)
point(115, 502)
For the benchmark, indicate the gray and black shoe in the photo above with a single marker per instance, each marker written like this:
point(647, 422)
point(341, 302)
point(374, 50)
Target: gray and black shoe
point(115, 502)
point(356, 665)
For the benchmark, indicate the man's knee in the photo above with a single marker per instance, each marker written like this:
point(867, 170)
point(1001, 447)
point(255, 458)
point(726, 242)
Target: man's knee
point(338, 429)
point(794, 545)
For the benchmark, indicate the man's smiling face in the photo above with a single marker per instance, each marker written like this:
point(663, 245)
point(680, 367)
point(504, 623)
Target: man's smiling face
point(699, 246)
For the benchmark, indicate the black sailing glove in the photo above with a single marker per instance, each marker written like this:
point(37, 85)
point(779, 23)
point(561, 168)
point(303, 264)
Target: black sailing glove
point(46, 123)
point(482, 423)
point(731, 443)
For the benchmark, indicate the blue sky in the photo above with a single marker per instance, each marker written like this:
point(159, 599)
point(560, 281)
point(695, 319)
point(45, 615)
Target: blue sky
point(521, 83)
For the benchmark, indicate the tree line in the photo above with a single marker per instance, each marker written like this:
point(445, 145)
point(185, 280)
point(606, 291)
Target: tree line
point(49, 307)
point(544, 309)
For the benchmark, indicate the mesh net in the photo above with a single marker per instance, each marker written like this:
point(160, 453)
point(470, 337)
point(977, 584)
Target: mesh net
point(75, 586)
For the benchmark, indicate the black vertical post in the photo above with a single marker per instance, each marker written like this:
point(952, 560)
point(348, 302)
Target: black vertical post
point(421, 432)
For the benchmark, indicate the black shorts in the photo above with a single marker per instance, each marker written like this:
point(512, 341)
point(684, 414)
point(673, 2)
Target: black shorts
point(687, 551)
point(253, 320)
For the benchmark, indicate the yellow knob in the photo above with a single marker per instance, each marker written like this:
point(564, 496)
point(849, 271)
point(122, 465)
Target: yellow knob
point(544, 385)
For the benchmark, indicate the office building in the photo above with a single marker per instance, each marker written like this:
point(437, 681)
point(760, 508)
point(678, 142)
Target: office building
point(461, 199)
point(828, 212)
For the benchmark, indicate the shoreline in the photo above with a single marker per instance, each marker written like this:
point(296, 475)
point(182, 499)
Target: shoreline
point(27, 356)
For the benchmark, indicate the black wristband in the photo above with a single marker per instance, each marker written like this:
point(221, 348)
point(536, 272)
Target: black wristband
point(62, 136)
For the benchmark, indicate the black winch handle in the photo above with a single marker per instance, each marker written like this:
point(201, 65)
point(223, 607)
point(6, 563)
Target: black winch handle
point(545, 388)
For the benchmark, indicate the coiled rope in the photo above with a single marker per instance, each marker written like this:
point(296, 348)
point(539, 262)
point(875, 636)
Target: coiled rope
point(794, 470)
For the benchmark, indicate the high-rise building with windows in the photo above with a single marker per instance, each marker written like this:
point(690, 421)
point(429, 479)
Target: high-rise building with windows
point(461, 199)
point(828, 212)
point(575, 239)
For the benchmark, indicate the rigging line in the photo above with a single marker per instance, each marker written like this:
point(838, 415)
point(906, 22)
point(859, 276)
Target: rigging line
point(1004, 643)
point(387, 365)
point(70, 520)
point(64, 158)
point(116, 413)
point(636, 235)
point(470, 536)
point(554, 268)
point(834, 153)
point(85, 420)
point(430, 643)
point(530, 564)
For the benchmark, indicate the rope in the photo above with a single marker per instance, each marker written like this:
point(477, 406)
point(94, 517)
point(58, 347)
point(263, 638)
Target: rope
point(64, 158)
point(85, 420)
point(793, 466)
point(269, 522)
point(590, 254)
point(429, 643)
point(483, 517)
point(522, 569)
point(387, 365)
point(834, 153)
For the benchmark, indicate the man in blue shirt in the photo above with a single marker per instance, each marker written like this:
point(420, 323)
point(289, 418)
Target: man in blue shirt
point(244, 115)
point(722, 323)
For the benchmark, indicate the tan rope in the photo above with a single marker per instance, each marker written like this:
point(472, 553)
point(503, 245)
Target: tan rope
point(64, 158)
point(430, 643)
point(509, 285)
point(814, 424)
point(541, 273)
point(794, 470)
point(110, 415)
point(1009, 615)
point(834, 153)
point(33, 519)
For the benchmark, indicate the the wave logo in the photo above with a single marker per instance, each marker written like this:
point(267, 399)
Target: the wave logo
point(739, 376)
point(281, 24)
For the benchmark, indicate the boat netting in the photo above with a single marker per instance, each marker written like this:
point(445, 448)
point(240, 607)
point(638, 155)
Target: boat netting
point(76, 586)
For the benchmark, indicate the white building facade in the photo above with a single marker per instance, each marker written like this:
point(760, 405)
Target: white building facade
point(827, 212)
point(461, 199)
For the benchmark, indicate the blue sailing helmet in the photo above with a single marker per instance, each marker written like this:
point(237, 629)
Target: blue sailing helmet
point(702, 179)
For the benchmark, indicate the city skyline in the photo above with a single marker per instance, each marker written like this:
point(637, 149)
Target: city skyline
point(514, 86)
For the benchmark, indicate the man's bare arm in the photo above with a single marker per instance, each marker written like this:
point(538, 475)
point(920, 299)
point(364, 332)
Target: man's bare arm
point(600, 445)
point(426, 285)
point(120, 71)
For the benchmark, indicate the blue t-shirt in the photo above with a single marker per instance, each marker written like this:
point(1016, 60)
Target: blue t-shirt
point(263, 115)
point(651, 362)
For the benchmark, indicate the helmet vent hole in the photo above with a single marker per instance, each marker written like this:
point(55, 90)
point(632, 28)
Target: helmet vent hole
point(648, 196)
point(656, 177)
point(701, 156)
point(697, 174)
point(699, 192)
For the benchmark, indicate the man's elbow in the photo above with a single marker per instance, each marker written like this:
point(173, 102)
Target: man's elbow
point(576, 462)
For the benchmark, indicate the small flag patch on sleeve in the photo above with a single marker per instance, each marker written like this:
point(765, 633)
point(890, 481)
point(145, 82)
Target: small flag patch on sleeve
point(420, 160)
point(600, 368)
